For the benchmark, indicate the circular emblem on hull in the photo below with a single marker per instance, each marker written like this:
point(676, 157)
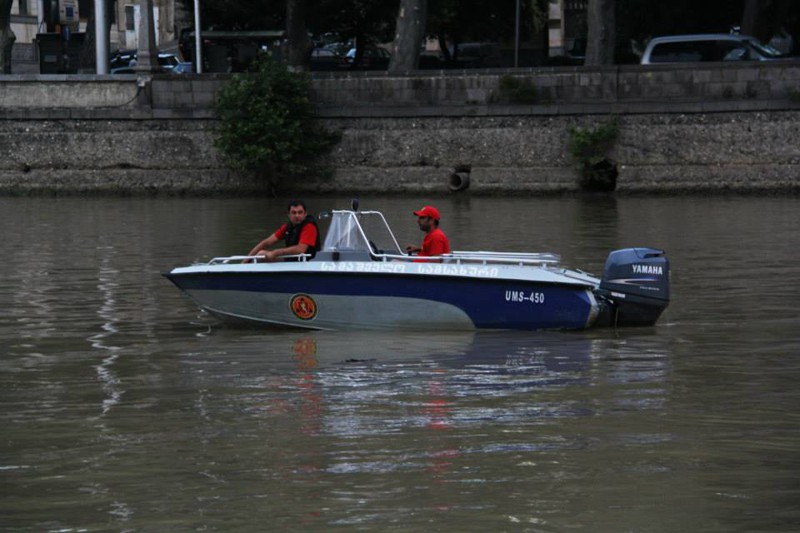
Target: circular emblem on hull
point(303, 306)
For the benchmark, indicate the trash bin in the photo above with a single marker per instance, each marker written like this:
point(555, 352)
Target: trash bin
point(60, 53)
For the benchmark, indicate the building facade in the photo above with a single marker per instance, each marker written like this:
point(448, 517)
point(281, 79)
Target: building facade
point(567, 27)
point(32, 17)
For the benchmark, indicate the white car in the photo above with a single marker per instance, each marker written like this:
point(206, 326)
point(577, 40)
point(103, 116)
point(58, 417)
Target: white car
point(707, 47)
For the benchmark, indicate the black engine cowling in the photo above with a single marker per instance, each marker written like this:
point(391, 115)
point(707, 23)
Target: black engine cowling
point(634, 289)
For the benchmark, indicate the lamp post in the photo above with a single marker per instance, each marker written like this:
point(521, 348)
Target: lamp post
point(198, 41)
point(516, 36)
point(101, 36)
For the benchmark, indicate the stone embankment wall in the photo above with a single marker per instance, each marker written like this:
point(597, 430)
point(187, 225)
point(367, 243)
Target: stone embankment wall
point(716, 127)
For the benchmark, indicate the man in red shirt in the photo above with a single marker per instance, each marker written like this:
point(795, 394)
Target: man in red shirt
point(301, 235)
point(435, 241)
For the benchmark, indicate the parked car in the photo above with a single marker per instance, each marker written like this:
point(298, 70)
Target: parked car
point(374, 58)
point(325, 59)
point(121, 58)
point(707, 47)
point(168, 61)
point(123, 70)
point(183, 68)
point(477, 55)
point(128, 58)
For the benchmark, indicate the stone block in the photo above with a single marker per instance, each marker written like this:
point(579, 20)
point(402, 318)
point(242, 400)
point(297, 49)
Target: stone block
point(664, 76)
point(204, 99)
point(748, 74)
point(651, 91)
point(477, 96)
point(184, 99)
point(629, 91)
point(701, 76)
point(730, 74)
point(163, 99)
point(684, 76)
point(675, 90)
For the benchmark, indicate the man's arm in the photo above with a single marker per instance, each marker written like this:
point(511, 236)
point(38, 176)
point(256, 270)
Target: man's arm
point(266, 243)
point(308, 238)
point(272, 255)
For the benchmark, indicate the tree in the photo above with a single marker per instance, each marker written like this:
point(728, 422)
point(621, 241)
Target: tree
point(410, 30)
point(764, 18)
point(457, 21)
point(7, 37)
point(299, 45)
point(600, 40)
point(266, 123)
point(356, 23)
point(238, 15)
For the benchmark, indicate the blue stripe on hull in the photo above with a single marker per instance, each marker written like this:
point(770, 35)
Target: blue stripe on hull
point(489, 303)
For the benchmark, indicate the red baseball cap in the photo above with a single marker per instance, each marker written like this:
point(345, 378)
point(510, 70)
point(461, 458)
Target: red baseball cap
point(428, 211)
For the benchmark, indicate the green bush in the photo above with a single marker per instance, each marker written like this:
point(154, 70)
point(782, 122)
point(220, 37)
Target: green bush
point(518, 91)
point(266, 122)
point(589, 147)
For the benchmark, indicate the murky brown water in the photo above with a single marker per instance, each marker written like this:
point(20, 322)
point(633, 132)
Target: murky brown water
point(124, 409)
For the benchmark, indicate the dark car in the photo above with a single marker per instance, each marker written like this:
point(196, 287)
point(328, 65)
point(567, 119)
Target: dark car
point(123, 70)
point(122, 59)
point(325, 59)
point(477, 55)
point(183, 68)
point(374, 58)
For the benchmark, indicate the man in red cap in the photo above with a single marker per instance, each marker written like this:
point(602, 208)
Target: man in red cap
point(435, 241)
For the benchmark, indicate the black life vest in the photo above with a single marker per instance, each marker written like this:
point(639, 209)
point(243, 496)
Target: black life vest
point(292, 236)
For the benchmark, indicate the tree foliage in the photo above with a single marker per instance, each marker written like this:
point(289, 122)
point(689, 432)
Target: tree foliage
point(366, 22)
point(267, 123)
point(590, 148)
point(477, 20)
point(357, 23)
point(238, 15)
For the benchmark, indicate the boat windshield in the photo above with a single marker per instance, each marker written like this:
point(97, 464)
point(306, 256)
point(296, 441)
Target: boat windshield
point(363, 231)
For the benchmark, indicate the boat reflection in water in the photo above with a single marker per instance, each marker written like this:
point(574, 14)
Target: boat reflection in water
point(431, 408)
point(348, 366)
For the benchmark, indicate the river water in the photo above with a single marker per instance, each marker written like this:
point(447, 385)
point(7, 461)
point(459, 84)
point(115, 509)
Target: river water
point(123, 408)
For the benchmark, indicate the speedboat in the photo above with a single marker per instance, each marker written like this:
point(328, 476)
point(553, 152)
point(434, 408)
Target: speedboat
point(361, 279)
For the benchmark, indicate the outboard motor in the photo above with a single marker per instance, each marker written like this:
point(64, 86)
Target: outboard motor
point(634, 289)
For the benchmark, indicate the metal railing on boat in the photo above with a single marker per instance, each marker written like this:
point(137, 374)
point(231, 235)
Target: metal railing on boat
point(252, 259)
point(457, 257)
point(481, 257)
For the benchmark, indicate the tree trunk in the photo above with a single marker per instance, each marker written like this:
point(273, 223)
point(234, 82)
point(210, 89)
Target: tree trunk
point(7, 37)
point(88, 57)
point(762, 19)
point(751, 18)
point(410, 31)
point(601, 35)
point(299, 45)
